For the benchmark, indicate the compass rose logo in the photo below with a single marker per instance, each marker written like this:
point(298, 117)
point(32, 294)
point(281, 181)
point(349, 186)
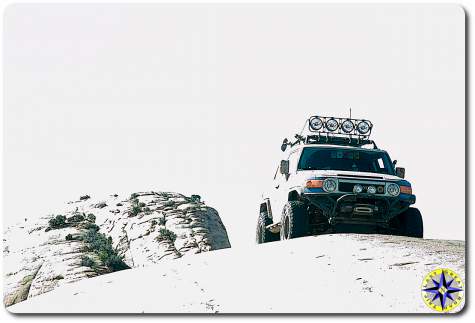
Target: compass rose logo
point(442, 290)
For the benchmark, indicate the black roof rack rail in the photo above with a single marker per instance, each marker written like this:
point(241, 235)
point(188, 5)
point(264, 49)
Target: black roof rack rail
point(343, 141)
point(328, 140)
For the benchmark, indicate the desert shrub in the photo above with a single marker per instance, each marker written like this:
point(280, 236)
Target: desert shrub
point(69, 237)
point(162, 220)
point(84, 197)
point(57, 222)
point(102, 246)
point(135, 210)
point(142, 204)
point(76, 218)
point(166, 234)
point(195, 198)
point(136, 207)
point(91, 217)
point(91, 226)
point(134, 196)
point(88, 262)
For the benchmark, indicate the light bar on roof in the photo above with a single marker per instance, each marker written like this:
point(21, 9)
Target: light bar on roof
point(341, 126)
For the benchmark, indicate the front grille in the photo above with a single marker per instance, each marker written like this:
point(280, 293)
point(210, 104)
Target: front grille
point(348, 187)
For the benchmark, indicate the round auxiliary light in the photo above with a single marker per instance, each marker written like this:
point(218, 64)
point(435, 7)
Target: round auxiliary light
point(347, 126)
point(363, 127)
point(329, 185)
point(331, 124)
point(393, 189)
point(371, 189)
point(357, 189)
point(316, 124)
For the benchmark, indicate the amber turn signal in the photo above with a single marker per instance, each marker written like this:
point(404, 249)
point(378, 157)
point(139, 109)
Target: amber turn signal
point(406, 189)
point(314, 183)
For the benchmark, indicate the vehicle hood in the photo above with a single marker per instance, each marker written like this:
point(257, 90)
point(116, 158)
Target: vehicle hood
point(341, 173)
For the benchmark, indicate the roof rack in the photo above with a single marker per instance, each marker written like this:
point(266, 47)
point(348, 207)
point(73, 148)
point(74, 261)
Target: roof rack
point(334, 131)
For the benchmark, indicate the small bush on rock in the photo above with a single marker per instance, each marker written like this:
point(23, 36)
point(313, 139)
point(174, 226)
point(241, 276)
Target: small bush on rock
point(102, 246)
point(76, 218)
point(57, 222)
point(135, 210)
point(162, 220)
point(166, 234)
point(136, 207)
point(69, 237)
point(91, 226)
point(88, 262)
point(91, 217)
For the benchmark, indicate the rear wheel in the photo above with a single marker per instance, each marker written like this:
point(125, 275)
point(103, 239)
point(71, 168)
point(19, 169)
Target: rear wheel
point(294, 221)
point(410, 223)
point(262, 234)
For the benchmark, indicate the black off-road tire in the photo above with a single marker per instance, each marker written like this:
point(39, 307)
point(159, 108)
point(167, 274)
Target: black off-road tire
point(411, 224)
point(294, 223)
point(263, 235)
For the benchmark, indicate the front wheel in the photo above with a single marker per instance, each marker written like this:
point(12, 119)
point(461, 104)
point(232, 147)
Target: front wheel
point(410, 223)
point(294, 222)
point(262, 234)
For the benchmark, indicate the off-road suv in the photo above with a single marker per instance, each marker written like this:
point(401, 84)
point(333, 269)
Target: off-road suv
point(334, 179)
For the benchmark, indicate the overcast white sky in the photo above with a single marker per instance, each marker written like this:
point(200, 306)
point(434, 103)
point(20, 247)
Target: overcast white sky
point(197, 99)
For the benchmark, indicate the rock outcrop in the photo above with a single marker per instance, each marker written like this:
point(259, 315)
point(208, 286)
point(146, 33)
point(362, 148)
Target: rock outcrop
point(94, 237)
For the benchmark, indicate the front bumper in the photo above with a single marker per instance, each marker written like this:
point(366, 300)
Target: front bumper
point(360, 208)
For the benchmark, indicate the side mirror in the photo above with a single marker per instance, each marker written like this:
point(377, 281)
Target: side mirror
point(284, 144)
point(400, 172)
point(284, 167)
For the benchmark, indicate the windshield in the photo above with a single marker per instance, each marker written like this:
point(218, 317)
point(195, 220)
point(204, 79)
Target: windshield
point(318, 158)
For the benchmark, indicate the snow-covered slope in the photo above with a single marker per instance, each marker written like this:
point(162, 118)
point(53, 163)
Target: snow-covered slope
point(341, 273)
point(143, 228)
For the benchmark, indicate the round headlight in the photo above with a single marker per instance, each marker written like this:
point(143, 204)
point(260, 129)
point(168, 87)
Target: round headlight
point(347, 126)
point(371, 189)
point(331, 124)
point(329, 185)
point(363, 127)
point(393, 189)
point(316, 124)
point(357, 189)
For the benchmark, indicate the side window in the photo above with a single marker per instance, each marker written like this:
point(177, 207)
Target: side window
point(293, 161)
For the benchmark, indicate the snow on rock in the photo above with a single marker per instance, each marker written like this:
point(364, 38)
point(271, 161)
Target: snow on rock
point(145, 228)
